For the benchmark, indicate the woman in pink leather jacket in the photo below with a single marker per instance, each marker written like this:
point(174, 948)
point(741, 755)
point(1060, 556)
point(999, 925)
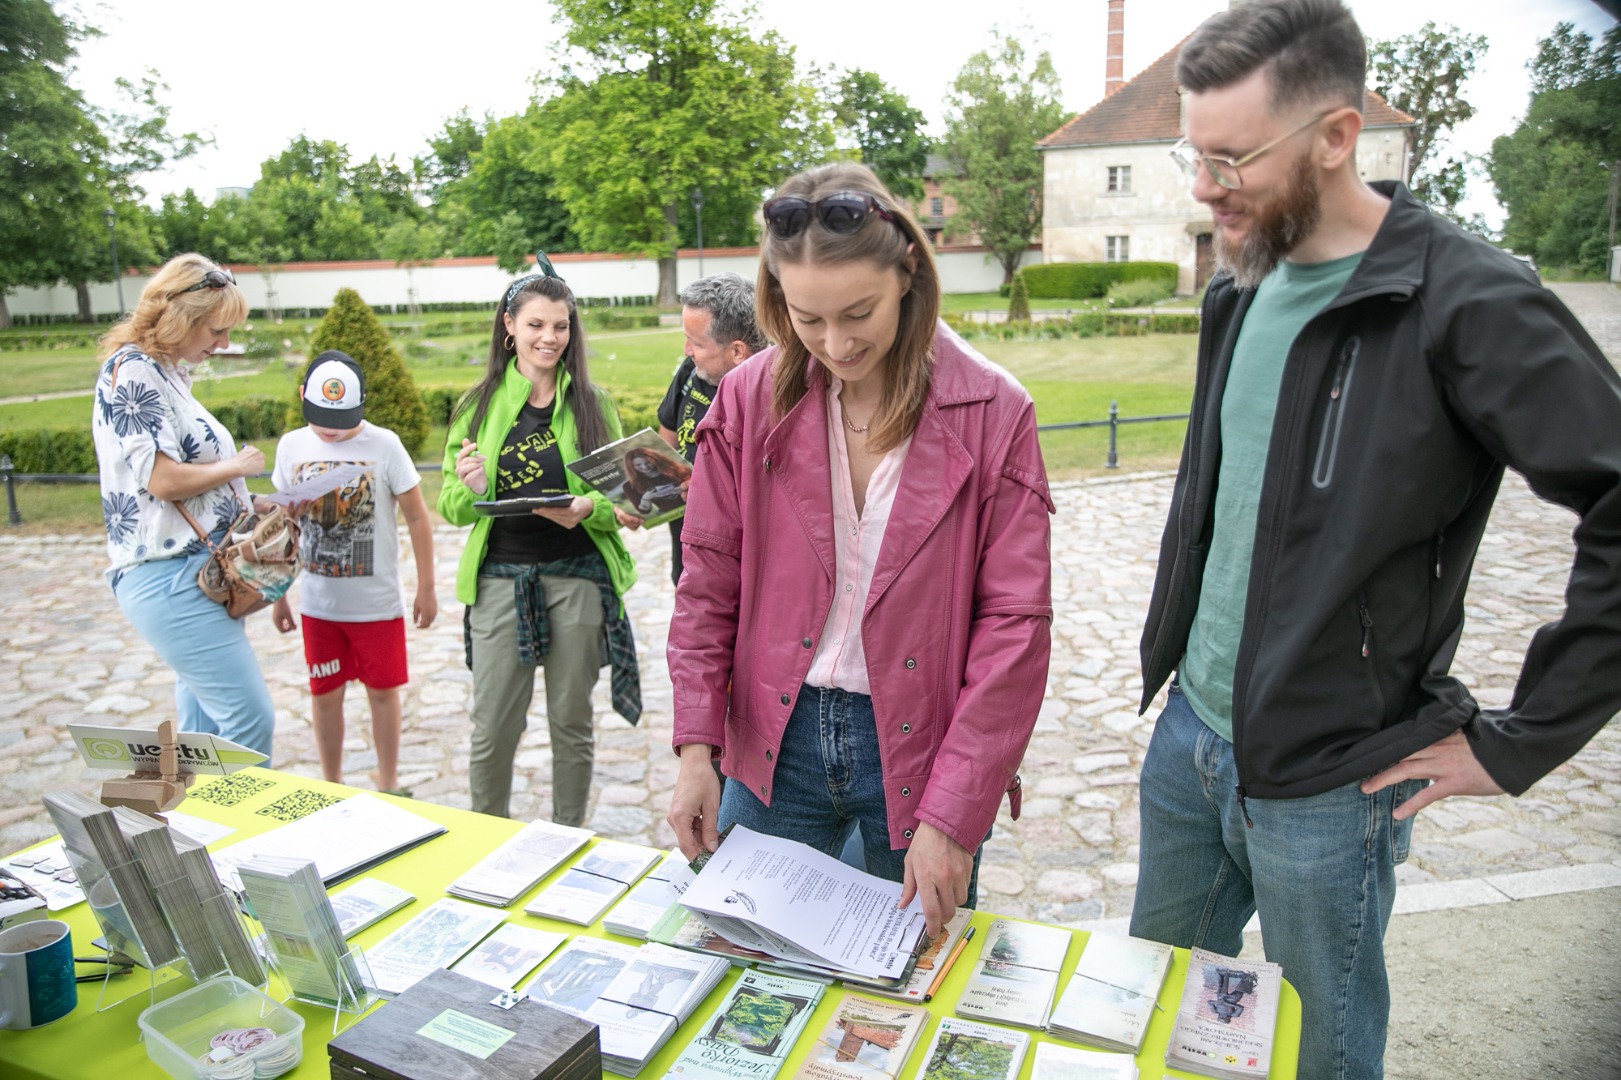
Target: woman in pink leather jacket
point(862, 631)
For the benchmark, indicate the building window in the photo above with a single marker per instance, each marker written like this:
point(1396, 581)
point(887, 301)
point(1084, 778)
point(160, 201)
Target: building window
point(937, 208)
point(1119, 179)
point(1117, 249)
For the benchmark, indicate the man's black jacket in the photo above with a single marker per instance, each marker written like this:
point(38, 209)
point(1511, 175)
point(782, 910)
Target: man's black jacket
point(1441, 361)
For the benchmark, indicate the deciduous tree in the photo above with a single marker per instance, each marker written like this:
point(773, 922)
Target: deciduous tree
point(1423, 74)
point(881, 127)
point(1002, 101)
point(652, 98)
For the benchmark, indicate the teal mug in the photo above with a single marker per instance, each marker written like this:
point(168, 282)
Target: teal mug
point(36, 974)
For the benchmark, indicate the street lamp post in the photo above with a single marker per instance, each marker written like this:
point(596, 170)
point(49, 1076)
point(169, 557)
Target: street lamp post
point(698, 209)
point(112, 239)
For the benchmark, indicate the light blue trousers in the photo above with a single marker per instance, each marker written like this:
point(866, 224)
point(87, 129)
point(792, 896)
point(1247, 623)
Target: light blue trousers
point(219, 688)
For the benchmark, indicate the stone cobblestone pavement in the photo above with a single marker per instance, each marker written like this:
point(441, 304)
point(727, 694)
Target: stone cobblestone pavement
point(67, 654)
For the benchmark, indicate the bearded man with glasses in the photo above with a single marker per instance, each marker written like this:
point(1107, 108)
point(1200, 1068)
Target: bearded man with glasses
point(1366, 372)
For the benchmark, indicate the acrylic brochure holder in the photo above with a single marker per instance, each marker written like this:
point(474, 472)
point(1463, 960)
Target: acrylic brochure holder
point(162, 960)
point(348, 973)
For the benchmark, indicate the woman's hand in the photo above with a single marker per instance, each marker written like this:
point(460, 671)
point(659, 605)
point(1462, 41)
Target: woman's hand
point(695, 803)
point(282, 616)
point(570, 515)
point(629, 521)
point(937, 871)
point(470, 468)
point(249, 461)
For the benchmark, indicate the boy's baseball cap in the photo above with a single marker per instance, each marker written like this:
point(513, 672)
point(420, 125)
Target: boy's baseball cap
point(333, 391)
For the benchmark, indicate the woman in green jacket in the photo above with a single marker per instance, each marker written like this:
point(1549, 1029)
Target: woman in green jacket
point(542, 589)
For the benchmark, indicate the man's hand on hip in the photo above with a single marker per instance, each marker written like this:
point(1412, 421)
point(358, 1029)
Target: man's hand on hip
point(1450, 767)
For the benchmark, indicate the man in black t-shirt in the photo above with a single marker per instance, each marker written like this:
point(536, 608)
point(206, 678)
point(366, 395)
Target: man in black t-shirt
point(717, 314)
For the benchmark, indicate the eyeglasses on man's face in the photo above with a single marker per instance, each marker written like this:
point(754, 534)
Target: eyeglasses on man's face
point(213, 279)
point(1224, 170)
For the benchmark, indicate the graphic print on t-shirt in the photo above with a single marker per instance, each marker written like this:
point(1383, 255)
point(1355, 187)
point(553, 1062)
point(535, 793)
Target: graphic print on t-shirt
point(522, 466)
point(693, 407)
point(338, 532)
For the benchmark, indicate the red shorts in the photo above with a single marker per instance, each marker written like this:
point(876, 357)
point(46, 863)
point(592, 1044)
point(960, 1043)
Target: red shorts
point(373, 652)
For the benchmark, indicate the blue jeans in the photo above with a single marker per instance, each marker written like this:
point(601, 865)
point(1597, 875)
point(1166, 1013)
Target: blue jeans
point(828, 781)
point(1320, 870)
point(219, 688)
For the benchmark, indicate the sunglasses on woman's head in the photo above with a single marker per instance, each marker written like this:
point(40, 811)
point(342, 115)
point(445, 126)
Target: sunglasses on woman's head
point(214, 279)
point(843, 212)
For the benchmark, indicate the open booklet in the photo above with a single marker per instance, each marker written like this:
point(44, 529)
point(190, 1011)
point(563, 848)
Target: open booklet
point(640, 474)
point(790, 900)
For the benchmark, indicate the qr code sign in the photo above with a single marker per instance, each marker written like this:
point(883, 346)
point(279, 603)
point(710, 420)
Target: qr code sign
point(230, 790)
point(297, 804)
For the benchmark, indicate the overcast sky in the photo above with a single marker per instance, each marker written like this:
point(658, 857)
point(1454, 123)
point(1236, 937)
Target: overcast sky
point(380, 78)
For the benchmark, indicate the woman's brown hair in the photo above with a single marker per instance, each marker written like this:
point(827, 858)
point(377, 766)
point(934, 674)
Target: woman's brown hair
point(900, 244)
point(165, 315)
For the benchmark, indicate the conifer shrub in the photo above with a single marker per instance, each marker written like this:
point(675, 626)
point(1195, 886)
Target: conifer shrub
point(1018, 305)
point(392, 400)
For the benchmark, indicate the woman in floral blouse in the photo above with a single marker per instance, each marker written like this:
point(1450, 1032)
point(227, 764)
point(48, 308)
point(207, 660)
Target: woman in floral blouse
point(157, 445)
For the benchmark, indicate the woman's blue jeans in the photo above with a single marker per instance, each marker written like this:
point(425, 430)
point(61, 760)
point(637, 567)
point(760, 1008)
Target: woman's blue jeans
point(219, 688)
point(1320, 870)
point(828, 780)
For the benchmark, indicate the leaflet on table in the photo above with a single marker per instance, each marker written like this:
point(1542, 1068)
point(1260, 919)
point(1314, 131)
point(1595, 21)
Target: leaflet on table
point(683, 929)
point(805, 906)
point(749, 1036)
point(865, 1040)
point(578, 974)
point(585, 890)
point(508, 955)
point(1112, 995)
point(1016, 975)
point(1055, 1062)
point(649, 899)
point(434, 939)
point(654, 994)
point(365, 902)
point(316, 486)
point(1227, 1019)
point(342, 839)
point(513, 868)
point(969, 1050)
point(287, 897)
point(137, 750)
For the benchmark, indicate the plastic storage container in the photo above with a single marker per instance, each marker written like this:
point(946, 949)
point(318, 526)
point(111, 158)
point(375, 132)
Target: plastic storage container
point(179, 1033)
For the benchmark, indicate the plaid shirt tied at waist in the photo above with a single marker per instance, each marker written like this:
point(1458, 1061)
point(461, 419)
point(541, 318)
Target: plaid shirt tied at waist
point(535, 632)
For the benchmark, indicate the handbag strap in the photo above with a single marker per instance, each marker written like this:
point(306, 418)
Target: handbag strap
point(178, 504)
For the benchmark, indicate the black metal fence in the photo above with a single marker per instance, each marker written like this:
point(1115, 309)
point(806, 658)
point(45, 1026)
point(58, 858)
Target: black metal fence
point(10, 477)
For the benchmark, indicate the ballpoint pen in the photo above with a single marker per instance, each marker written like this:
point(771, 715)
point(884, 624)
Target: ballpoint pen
point(945, 968)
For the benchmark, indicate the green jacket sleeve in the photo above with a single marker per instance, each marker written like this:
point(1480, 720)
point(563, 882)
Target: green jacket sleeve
point(455, 498)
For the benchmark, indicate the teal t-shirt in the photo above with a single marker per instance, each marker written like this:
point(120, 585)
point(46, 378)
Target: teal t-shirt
point(1286, 299)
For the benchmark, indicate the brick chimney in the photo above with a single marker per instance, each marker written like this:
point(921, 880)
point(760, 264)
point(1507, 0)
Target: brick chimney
point(1114, 74)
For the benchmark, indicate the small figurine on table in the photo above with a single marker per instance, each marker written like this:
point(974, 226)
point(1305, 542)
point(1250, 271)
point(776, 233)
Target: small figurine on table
point(152, 792)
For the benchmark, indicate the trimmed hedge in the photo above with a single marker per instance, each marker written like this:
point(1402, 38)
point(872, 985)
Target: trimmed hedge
point(1086, 281)
point(62, 450)
point(1086, 324)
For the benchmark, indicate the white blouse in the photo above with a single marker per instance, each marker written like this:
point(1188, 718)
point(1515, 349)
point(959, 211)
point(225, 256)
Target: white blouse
point(150, 411)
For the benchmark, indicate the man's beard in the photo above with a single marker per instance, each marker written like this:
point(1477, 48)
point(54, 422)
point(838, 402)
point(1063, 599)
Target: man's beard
point(1277, 227)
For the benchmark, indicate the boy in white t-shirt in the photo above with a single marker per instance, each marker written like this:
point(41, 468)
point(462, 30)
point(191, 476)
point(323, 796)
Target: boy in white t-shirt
point(349, 593)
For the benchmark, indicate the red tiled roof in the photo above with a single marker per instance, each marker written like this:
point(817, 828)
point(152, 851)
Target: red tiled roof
point(1148, 109)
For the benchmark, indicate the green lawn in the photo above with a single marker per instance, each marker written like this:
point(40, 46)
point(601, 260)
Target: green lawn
point(1069, 380)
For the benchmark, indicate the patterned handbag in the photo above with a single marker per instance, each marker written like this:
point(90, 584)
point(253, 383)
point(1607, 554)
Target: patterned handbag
point(255, 565)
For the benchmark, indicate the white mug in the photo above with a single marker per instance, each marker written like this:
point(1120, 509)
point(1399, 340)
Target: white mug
point(36, 974)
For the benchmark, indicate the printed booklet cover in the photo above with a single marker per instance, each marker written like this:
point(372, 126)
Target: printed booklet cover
point(866, 1040)
point(1227, 1019)
point(750, 1034)
point(641, 474)
point(1112, 995)
point(969, 1050)
point(1016, 976)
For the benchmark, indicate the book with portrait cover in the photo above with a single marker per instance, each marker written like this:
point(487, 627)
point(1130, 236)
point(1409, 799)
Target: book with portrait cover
point(867, 1039)
point(1227, 1019)
point(641, 474)
point(750, 1034)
